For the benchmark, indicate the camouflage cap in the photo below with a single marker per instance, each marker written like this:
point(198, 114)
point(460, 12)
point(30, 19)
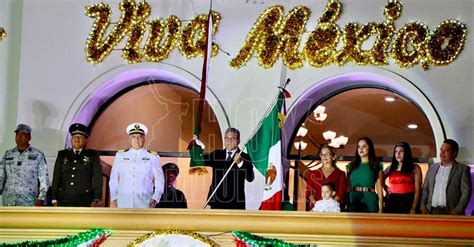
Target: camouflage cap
point(23, 128)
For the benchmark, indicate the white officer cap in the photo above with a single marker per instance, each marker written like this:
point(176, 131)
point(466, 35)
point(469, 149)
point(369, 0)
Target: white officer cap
point(137, 128)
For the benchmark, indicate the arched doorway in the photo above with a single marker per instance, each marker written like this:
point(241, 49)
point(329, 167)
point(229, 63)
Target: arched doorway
point(168, 111)
point(355, 107)
point(173, 88)
point(385, 116)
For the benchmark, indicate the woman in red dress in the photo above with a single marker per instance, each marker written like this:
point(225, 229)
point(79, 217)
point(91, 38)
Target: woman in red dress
point(404, 176)
point(328, 172)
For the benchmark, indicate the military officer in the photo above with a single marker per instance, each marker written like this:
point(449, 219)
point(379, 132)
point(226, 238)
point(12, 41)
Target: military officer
point(23, 172)
point(77, 178)
point(136, 179)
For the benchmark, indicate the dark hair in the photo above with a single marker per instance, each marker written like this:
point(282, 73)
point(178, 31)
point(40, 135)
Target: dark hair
point(331, 185)
point(373, 162)
point(407, 162)
point(454, 145)
point(331, 150)
point(233, 130)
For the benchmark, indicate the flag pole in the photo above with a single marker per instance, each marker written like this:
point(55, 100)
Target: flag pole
point(205, 71)
point(220, 182)
point(282, 87)
point(196, 153)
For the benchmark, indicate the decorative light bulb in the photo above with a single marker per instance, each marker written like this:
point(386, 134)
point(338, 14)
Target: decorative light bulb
point(329, 135)
point(302, 131)
point(321, 117)
point(319, 110)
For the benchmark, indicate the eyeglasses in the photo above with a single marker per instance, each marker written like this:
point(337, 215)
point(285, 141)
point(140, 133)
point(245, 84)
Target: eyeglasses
point(325, 155)
point(230, 138)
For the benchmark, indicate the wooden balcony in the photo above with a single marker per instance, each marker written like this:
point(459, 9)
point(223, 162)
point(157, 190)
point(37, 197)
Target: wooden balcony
point(33, 223)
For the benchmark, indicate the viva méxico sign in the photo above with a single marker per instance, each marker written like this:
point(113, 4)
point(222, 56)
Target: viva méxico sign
point(277, 35)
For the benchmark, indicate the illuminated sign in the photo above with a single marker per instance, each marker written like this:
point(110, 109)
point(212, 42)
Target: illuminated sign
point(3, 33)
point(275, 35)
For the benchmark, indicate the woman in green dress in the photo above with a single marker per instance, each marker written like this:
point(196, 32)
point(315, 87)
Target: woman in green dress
point(365, 175)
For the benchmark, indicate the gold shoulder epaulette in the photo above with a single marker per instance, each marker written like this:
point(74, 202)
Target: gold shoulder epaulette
point(153, 152)
point(122, 150)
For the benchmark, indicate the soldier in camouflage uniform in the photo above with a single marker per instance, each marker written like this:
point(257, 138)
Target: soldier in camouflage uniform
point(23, 172)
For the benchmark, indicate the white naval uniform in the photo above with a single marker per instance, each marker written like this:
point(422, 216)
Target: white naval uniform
point(136, 178)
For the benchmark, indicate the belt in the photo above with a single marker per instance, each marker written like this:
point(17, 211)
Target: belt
point(363, 189)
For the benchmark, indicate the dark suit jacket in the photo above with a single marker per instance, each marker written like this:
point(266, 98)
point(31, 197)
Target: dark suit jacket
point(172, 198)
point(458, 190)
point(231, 193)
point(77, 179)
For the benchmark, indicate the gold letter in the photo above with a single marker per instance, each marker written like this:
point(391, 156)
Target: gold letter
point(154, 52)
point(272, 35)
point(97, 48)
point(132, 53)
point(3, 33)
point(190, 45)
point(290, 35)
point(349, 50)
point(379, 53)
point(354, 38)
point(321, 45)
point(415, 34)
point(385, 30)
point(360, 56)
point(446, 42)
point(260, 40)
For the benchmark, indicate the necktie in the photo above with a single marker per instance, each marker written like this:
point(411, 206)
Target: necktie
point(77, 152)
point(229, 156)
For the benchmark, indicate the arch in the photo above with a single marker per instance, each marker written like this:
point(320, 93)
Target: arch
point(329, 85)
point(101, 89)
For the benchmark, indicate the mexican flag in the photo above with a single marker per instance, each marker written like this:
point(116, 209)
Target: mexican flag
point(195, 147)
point(265, 151)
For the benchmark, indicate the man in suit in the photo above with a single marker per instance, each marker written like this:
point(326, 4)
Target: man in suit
point(77, 178)
point(447, 186)
point(230, 194)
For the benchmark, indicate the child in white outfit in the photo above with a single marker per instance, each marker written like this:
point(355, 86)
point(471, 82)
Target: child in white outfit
point(327, 204)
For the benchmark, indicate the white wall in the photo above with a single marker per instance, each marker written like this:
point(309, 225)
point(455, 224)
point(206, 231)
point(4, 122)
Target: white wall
point(43, 67)
point(11, 21)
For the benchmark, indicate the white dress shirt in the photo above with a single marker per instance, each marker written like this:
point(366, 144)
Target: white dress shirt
point(329, 205)
point(441, 182)
point(232, 155)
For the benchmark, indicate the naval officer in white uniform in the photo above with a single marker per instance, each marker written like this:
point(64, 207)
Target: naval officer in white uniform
point(136, 179)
